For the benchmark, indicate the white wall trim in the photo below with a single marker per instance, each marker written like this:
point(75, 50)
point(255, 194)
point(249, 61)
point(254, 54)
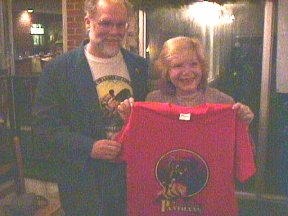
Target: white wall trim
point(142, 33)
point(261, 155)
point(282, 48)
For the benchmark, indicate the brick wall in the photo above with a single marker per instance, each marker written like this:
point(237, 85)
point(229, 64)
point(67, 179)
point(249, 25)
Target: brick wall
point(75, 23)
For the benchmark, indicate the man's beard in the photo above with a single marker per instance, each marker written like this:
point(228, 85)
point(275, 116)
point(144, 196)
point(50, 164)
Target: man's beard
point(109, 50)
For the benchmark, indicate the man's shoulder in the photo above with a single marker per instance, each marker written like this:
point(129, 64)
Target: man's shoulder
point(130, 55)
point(213, 95)
point(67, 59)
point(70, 55)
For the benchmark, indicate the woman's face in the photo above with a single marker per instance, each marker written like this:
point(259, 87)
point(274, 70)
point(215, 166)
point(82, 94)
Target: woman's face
point(185, 72)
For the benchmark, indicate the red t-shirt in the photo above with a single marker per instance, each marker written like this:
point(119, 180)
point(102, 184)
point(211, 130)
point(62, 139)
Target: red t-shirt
point(201, 148)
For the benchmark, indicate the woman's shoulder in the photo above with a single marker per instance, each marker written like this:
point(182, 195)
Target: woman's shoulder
point(156, 96)
point(213, 95)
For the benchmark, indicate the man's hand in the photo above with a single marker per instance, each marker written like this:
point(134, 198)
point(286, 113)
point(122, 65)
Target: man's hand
point(106, 149)
point(244, 113)
point(124, 109)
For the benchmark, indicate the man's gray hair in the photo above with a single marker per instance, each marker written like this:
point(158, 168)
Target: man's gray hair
point(91, 5)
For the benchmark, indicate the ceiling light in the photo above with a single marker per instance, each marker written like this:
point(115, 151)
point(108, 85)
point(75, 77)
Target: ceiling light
point(30, 10)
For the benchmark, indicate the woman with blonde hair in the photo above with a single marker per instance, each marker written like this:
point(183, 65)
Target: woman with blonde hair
point(183, 71)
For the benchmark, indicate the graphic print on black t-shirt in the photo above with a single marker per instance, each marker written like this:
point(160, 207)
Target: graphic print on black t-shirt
point(182, 174)
point(112, 90)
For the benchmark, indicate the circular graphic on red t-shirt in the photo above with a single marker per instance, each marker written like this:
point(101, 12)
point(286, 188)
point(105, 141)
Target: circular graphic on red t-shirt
point(181, 173)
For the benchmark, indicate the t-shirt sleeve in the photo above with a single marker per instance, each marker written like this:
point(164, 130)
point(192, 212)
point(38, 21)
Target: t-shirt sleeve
point(245, 164)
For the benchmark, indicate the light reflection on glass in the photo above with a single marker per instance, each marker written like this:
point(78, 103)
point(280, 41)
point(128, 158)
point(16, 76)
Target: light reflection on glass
point(208, 13)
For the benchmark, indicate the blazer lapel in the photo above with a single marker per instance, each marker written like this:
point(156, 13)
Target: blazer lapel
point(84, 84)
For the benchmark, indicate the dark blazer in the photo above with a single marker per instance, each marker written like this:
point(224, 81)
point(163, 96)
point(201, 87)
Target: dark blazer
point(67, 116)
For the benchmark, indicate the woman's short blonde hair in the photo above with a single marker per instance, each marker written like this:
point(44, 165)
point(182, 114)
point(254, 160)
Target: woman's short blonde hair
point(175, 46)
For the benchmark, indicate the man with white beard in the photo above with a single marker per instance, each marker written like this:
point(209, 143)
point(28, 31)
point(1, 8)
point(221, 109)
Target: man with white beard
point(73, 120)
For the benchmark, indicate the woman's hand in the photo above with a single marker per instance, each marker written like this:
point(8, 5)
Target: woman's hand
point(124, 108)
point(244, 113)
